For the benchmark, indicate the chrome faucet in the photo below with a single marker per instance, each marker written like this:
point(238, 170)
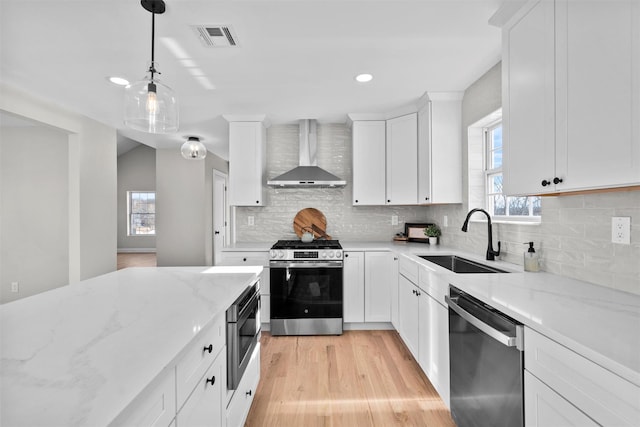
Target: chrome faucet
point(491, 254)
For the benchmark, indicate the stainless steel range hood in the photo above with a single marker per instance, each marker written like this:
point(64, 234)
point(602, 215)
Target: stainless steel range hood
point(307, 174)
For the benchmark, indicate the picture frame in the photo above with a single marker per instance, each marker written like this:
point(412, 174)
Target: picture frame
point(415, 231)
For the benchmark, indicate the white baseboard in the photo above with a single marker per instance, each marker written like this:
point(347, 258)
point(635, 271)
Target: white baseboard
point(136, 250)
point(368, 326)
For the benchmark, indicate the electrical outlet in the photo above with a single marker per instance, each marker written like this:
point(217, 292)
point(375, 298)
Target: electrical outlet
point(394, 219)
point(621, 230)
point(445, 221)
point(251, 220)
point(15, 287)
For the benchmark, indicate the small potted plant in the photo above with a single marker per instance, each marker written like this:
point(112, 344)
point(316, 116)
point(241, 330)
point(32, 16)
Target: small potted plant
point(432, 232)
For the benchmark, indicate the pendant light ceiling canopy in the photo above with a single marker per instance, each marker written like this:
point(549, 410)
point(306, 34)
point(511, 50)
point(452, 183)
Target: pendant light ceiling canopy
point(193, 149)
point(150, 105)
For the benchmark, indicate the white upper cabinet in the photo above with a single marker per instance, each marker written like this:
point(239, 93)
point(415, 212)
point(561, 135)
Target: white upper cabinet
point(247, 162)
point(402, 160)
point(440, 148)
point(369, 159)
point(571, 96)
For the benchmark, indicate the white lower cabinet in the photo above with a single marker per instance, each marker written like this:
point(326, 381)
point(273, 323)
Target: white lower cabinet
point(409, 304)
point(395, 307)
point(154, 407)
point(238, 406)
point(206, 405)
point(378, 284)
point(543, 407)
point(603, 396)
point(369, 279)
point(353, 287)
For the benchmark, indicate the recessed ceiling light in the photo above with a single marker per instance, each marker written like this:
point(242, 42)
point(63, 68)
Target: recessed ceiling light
point(119, 81)
point(363, 78)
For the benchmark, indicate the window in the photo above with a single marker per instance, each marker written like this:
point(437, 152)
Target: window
point(141, 212)
point(499, 205)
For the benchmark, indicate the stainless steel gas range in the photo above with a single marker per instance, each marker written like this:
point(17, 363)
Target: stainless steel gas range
point(306, 287)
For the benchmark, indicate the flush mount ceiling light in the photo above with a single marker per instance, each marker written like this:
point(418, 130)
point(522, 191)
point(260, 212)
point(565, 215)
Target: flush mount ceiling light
point(150, 105)
point(364, 78)
point(193, 149)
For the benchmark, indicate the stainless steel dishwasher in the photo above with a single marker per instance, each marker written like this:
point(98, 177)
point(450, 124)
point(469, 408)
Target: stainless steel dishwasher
point(486, 364)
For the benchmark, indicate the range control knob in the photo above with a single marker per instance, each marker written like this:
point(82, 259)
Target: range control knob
point(324, 254)
point(273, 254)
point(330, 254)
point(280, 254)
point(338, 254)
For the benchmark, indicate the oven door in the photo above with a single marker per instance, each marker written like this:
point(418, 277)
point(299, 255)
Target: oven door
point(306, 290)
point(243, 336)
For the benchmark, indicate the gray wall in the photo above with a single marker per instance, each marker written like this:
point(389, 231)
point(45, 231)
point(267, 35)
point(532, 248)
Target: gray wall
point(136, 172)
point(184, 195)
point(90, 192)
point(34, 250)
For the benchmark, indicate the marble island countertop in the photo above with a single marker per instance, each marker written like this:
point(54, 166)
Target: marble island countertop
point(79, 354)
point(600, 323)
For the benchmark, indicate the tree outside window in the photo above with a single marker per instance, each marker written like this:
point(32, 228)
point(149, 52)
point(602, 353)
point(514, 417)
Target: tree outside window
point(142, 213)
point(499, 205)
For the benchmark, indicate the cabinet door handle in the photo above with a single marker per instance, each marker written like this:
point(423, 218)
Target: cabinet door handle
point(248, 393)
point(209, 349)
point(258, 201)
point(346, 255)
point(244, 259)
point(356, 200)
point(545, 183)
point(557, 180)
point(211, 380)
point(413, 291)
point(388, 201)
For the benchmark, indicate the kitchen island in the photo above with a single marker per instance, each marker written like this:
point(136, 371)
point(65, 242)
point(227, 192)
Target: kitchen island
point(80, 354)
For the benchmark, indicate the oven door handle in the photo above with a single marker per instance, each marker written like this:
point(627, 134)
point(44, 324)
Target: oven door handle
point(324, 264)
point(492, 332)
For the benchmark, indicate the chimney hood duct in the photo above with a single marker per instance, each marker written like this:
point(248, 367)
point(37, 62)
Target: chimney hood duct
point(307, 174)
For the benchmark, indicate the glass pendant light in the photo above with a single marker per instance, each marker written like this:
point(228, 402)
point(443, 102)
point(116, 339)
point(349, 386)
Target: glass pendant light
point(193, 149)
point(150, 105)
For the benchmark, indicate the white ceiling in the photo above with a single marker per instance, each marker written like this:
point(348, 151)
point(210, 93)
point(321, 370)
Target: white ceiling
point(296, 58)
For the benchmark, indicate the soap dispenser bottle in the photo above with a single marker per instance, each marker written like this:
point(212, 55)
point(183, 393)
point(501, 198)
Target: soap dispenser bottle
point(531, 261)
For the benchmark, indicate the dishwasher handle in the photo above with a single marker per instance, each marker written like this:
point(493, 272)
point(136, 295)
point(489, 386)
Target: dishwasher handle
point(497, 335)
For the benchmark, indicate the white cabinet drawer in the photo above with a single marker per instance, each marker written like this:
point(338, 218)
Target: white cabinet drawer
point(409, 268)
point(265, 308)
point(198, 356)
point(605, 397)
point(154, 407)
point(206, 405)
point(238, 408)
point(544, 407)
point(245, 258)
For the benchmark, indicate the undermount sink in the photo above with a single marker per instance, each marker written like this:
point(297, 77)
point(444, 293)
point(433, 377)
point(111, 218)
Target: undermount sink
point(460, 265)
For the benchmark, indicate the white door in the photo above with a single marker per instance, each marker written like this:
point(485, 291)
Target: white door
point(219, 214)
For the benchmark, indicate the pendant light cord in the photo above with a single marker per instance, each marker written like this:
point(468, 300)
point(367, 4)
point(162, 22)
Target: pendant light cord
point(152, 68)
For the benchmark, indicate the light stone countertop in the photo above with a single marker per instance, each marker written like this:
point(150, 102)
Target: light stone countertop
point(600, 323)
point(79, 354)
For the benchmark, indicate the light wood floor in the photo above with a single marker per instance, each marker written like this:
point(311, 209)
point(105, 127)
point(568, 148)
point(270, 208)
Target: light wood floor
point(361, 378)
point(137, 259)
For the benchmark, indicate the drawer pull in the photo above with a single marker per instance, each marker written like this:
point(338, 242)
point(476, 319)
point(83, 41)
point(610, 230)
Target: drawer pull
point(209, 349)
point(248, 393)
point(211, 380)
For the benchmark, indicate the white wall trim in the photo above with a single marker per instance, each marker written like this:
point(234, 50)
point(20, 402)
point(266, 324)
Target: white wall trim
point(136, 250)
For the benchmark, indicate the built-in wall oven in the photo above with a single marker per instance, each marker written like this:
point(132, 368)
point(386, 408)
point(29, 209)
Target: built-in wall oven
point(306, 287)
point(485, 362)
point(243, 333)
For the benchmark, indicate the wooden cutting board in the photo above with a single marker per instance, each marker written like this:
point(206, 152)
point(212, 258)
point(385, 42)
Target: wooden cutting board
point(310, 217)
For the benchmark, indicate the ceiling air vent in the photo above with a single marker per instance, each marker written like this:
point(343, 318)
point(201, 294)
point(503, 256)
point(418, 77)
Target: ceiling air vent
point(216, 35)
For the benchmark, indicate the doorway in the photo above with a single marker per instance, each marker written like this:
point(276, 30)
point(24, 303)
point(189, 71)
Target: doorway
point(220, 215)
